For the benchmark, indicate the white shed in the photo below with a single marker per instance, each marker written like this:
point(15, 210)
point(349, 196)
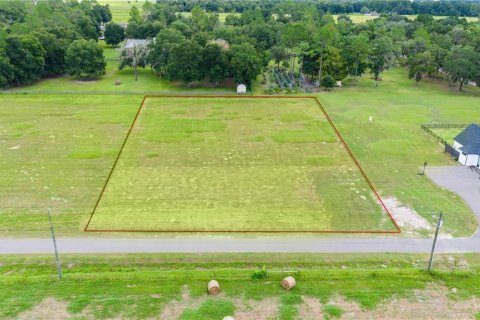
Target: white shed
point(467, 143)
point(241, 88)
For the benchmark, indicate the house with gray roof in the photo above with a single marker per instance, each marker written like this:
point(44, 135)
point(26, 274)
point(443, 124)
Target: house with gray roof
point(467, 143)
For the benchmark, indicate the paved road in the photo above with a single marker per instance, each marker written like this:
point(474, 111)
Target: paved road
point(459, 179)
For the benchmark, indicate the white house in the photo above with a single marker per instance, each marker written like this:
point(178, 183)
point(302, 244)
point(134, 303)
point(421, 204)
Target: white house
point(467, 143)
point(241, 88)
point(130, 43)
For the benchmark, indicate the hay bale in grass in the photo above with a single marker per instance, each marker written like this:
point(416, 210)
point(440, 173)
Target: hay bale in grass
point(288, 283)
point(228, 318)
point(213, 287)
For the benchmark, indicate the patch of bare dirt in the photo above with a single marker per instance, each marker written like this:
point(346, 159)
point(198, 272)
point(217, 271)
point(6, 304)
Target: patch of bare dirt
point(175, 308)
point(49, 308)
point(430, 303)
point(266, 309)
point(404, 215)
point(310, 309)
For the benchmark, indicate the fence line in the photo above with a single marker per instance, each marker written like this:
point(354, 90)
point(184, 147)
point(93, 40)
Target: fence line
point(448, 148)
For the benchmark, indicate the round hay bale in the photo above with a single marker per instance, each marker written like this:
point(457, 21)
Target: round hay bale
point(213, 287)
point(228, 318)
point(288, 283)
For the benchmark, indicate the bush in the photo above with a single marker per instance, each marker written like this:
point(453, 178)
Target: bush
point(260, 274)
point(328, 82)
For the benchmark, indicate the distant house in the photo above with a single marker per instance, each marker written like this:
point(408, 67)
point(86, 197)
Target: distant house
point(241, 88)
point(467, 143)
point(130, 43)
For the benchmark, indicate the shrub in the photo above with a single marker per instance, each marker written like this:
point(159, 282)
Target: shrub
point(260, 274)
point(328, 82)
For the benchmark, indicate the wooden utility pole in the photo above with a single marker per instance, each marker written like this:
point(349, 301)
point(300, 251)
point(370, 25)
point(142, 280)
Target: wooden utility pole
point(57, 259)
point(439, 224)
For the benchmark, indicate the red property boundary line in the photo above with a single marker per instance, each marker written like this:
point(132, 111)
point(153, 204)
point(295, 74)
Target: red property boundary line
point(372, 188)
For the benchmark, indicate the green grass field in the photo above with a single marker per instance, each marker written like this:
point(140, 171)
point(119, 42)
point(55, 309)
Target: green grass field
point(393, 146)
point(121, 8)
point(217, 164)
point(57, 150)
point(154, 286)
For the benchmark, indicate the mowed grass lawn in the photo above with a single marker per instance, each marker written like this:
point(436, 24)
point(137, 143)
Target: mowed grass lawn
point(218, 164)
point(56, 151)
point(120, 9)
point(393, 147)
point(448, 134)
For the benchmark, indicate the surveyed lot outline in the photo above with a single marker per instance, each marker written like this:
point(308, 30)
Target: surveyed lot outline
point(89, 228)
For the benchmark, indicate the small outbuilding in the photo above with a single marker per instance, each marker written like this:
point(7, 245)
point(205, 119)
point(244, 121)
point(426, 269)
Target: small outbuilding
point(241, 89)
point(467, 143)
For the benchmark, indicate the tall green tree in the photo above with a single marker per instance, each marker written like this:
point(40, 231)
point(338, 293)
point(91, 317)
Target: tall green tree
point(215, 63)
point(85, 59)
point(27, 56)
point(114, 34)
point(419, 65)
point(185, 62)
point(381, 56)
point(54, 54)
point(6, 69)
point(322, 40)
point(278, 54)
point(245, 63)
point(160, 49)
point(135, 15)
point(462, 65)
point(355, 54)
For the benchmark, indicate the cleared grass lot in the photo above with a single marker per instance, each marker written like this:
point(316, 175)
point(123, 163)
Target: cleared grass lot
point(56, 151)
point(218, 164)
point(393, 147)
point(89, 130)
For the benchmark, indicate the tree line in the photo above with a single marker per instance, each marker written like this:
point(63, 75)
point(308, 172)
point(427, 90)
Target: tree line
point(49, 38)
point(304, 41)
point(57, 37)
point(405, 7)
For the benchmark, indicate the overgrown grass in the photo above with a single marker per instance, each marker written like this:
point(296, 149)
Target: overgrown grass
point(332, 311)
point(139, 286)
